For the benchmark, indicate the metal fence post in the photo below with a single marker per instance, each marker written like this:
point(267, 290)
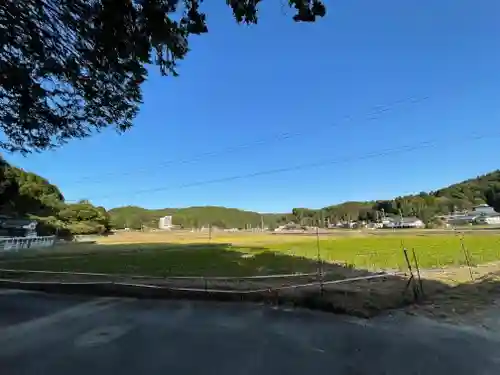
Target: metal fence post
point(467, 256)
point(320, 265)
point(411, 281)
point(418, 272)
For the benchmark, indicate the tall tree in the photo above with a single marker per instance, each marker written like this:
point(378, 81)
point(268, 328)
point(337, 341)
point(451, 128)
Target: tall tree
point(72, 67)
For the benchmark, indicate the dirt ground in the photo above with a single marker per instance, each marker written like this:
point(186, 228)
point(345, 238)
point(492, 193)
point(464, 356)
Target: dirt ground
point(472, 298)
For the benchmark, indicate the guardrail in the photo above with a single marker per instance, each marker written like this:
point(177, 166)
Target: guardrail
point(18, 243)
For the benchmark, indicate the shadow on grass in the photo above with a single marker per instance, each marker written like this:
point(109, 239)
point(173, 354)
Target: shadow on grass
point(361, 297)
point(199, 259)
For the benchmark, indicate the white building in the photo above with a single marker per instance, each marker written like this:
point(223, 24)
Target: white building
point(291, 226)
point(17, 227)
point(483, 209)
point(387, 222)
point(460, 219)
point(481, 214)
point(489, 220)
point(165, 222)
point(409, 222)
point(404, 222)
point(486, 215)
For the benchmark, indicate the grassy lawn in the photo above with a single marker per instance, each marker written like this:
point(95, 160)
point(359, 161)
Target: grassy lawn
point(386, 252)
point(246, 255)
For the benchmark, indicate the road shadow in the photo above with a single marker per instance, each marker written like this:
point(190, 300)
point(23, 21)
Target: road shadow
point(365, 294)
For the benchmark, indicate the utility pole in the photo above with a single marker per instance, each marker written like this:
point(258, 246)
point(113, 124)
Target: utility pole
point(401, 218)
point(262, 222)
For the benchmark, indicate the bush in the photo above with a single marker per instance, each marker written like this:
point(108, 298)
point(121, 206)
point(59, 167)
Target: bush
point(435, 223)
point(87, 227)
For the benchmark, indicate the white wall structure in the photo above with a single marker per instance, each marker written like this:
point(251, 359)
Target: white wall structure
point(165, 222)
point(19, 243)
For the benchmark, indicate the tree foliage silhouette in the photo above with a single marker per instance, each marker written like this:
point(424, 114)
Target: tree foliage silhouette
point(69, 68)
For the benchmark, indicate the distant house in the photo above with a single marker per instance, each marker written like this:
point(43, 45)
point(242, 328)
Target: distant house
point(291, 226)
point(460, 219)
point(10, 227)
point(409, 222)
point(349, 224)
point(484, 209)
point(486, 215)
point(481, 214)
point(402, 222)
point(488, 220)
point(388, 222)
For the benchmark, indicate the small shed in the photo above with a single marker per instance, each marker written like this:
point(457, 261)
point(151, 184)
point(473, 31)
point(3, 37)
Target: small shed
point(17, 227)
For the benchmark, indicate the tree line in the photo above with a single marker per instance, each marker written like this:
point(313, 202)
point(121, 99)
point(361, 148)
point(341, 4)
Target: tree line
point(462, 196)
point(191, 217)
point(425, 206)
point(27, 195)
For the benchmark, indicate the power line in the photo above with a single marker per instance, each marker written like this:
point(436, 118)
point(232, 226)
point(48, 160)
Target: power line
point(371, 155)
point(263, 141)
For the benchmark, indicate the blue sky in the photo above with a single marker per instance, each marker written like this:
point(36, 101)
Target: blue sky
point(319, 81)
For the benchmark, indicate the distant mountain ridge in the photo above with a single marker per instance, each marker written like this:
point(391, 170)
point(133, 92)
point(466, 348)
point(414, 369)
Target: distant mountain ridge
point(425, 205)
point(223, 217)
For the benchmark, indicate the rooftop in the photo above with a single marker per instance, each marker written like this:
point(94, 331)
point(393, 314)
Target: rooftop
point(408, 219)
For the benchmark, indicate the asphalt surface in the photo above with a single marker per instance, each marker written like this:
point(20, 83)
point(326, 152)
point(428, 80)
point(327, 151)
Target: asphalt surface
point(59, 335)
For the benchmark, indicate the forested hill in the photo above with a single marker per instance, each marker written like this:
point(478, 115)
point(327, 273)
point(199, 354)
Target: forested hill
point(191, 217)
point(425, 205)
point(27, 195)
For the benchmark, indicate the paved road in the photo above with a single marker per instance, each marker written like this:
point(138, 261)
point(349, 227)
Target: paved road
point(59, 335)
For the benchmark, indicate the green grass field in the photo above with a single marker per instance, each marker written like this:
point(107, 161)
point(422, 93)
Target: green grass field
point(258, 254)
